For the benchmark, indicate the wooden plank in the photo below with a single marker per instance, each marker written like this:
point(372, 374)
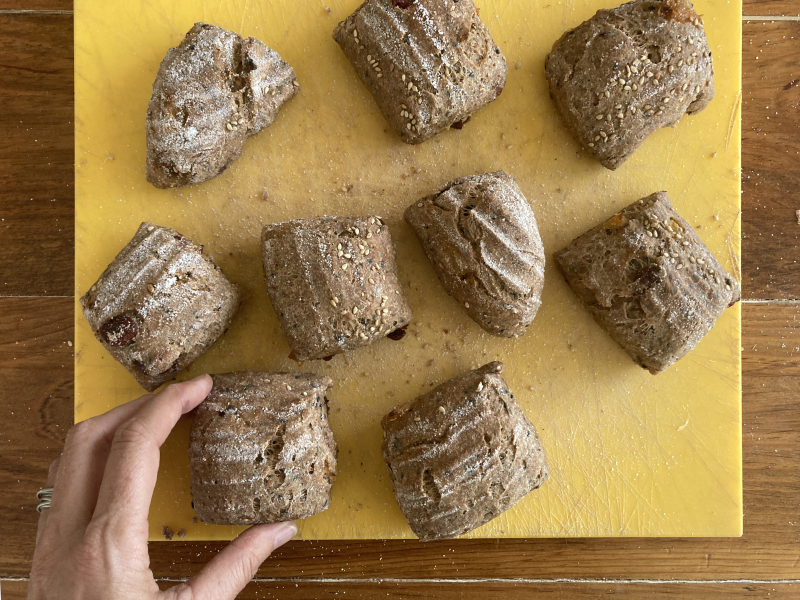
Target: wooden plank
point(509, 590)
point(13, 590)
point(770, 8)
point(15, 6)
point(37, 390)
point(36, 403)
point(36, 155)
point(770, 159)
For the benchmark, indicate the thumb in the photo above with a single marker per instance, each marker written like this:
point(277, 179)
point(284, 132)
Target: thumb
point(233, 568)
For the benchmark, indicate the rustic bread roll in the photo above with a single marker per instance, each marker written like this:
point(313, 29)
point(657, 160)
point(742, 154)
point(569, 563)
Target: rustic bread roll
point(627, 72)
point(159, 305)
point(429, 64)
point(333, 282)
point(211, 93)
point(649, 281)
point(461, 454)
point(261, 449)
point(481, 236)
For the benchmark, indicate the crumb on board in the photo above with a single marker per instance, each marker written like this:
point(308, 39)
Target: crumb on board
point(797, 214)
point(518, 65)
point(181, 533)
point(715, 217)
point(193, 521)
point(328, 9)
point(166, 531)
point(265, 195)
point(713, 155)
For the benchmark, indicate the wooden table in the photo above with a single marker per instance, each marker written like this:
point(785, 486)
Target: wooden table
point(36, 374)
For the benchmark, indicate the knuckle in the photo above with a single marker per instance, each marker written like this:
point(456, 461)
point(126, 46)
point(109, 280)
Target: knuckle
point(82, 431)
point(133, 432)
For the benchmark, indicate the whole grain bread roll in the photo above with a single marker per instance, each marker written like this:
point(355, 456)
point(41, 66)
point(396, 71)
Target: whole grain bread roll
point(261, 449)
point(481, 236)
point(649, 280)
point(333, 283)
point(159, 305)
point(628, 72)
point(211, 93)
point(429, 64)
point(461, 454)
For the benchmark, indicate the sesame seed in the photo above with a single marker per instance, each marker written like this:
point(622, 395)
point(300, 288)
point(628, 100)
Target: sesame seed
point(680, 63)
point(419, 100)
point(608, 117)
point(150, 288)
point(649, 74)
point(671, 69)
point(649, 233)
point(357, 231)
point(716, 279)
point(655, 233)
point(620, 115)
point(150, 228)
point(385, 310)
point(661, 112)
point(603, 134)
point(627, 88)
point(333, 303)
point(371, 280)
point(363, 336)
point(410, 85)
point(608, 94)
point(727, 287)
point(344, 267)
point(666, 100)
point(613, 84)
point(618, 106)
point(634, 70)
point(621, 81)
point(380, 75)
point(599, 117)
point(673, 254)
point(597, 137)
point(441, 409)
point(701, 261)
point(480, 386)
point(415, 88)
point(672, 261)
point(419, 204)
point(289, 388)
point(229, 126)
point(369, 235)
point(685, 243)
point(692, 259)
point(355, 310)
point(641, 81)
point(466, 304)
point(635, 87)
point(369, 57)
point(591, 144)
point(408, 126)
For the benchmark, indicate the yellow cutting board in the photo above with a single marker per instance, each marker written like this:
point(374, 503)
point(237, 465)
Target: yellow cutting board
point(630, 454)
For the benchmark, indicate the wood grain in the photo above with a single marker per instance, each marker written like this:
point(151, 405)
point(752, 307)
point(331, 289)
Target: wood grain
point(770, 159)
point(773, 8)
point(36, 155)
point(509, 590)
point(36, 368)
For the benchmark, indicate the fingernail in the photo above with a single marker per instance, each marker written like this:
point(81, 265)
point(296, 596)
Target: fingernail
point(285, 534)
point(199, 377)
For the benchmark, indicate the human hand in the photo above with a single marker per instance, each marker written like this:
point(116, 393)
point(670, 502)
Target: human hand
point(92, 542)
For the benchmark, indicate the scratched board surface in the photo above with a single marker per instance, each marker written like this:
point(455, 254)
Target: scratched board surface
point(630, 454)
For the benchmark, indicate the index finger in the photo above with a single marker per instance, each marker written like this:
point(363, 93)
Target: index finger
point(132, 466)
